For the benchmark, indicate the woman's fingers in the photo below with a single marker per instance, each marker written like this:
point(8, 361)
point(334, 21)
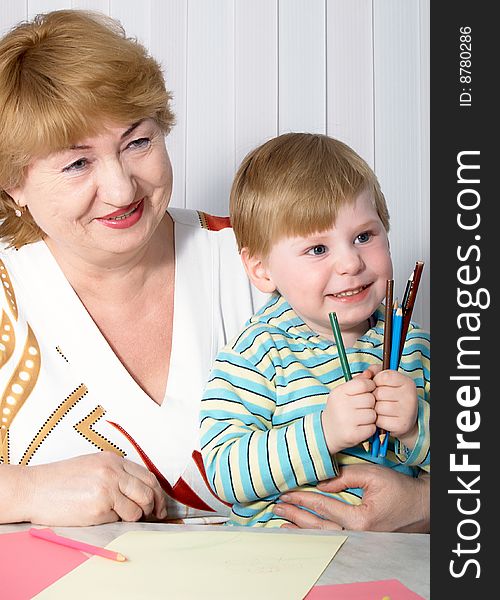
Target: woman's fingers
point(291, 511)
point(391, 501)
point(91, 489)
point(149, 495)
point(126, 509)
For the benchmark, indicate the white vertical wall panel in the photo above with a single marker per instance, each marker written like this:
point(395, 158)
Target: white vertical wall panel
point(41, 6)
point(135, 18)
point(210, 104)
point(99, 5)
point(11, 13)
point(169, 46)
point(398, 130)
point(423, 305)
point(302, 63)
point(242, 71)
point(349, 69)
point(256, 74)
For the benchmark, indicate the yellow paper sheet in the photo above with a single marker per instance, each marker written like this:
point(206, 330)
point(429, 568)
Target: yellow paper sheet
point(202, 565)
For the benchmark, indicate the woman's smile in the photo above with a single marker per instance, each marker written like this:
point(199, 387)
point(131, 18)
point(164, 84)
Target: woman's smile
point(124, 218)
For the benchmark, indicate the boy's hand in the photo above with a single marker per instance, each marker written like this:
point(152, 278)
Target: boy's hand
point(349, 416)
point(397, 405)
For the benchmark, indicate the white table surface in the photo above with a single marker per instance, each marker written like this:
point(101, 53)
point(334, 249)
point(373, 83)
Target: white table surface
point(365, 556)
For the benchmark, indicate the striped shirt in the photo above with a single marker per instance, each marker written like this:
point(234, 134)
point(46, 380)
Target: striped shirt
point(261, 432)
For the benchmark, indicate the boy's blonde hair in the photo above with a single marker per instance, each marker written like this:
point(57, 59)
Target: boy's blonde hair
point(63, 75)
point(294, 185)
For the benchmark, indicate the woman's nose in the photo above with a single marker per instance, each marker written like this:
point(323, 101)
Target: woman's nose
point(117, 185)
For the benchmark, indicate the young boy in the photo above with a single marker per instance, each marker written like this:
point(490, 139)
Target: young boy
point(311, 224)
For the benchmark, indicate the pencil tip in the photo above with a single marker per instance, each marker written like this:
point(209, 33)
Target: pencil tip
point(120, 557)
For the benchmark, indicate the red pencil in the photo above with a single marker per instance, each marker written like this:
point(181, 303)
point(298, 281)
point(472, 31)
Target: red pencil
point(408, 308)
point(48, 535)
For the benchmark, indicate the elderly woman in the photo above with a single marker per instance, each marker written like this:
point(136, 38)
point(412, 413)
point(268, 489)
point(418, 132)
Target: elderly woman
point(114, 306)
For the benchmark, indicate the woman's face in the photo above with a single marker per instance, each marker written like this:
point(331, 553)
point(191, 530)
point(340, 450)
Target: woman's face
point(104, 195)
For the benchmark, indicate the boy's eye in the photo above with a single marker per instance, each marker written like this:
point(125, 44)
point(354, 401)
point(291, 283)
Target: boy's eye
point(364, 237)
point(317, 250)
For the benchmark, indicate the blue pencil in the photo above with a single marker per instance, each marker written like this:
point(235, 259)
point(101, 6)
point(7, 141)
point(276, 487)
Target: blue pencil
point(397, 328)
point(379, 436)
point(375, 443)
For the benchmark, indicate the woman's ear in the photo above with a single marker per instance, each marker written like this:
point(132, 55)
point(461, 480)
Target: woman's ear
point(17, 195)
point(257, 272)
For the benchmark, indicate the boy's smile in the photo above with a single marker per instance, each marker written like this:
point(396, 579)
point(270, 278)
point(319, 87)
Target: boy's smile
point(349, 293)
point(343, 269)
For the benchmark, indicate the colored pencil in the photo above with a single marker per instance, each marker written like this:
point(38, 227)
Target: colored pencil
point(48, 535)
point(397, 329)
point(397, 325)
point(387, 338)
point(388, 324)
point(407, 290)
point(342, 355)
point(402, 323)
point(408, 307)
point(375, 444)
point(340, 346)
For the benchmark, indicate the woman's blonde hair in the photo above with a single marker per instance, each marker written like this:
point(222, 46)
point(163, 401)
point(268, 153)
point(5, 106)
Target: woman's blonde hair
point(294, 185)
point(63, 75)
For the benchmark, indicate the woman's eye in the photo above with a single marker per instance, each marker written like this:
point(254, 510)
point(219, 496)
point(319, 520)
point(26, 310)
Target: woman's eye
point(364, 237)
point(139, 143)
point(317, 250)
point(78, 165)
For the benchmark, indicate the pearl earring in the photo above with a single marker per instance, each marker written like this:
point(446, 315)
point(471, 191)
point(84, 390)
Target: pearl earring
point(18, 212)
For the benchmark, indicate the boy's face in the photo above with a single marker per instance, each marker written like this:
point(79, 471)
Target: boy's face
point(342, 270)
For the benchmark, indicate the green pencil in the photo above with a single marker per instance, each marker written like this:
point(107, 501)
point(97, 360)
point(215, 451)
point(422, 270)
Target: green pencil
point(340, 345)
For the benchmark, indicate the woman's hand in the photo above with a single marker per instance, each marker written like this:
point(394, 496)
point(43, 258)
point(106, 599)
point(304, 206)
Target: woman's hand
point(91, 489)
point(391, 501)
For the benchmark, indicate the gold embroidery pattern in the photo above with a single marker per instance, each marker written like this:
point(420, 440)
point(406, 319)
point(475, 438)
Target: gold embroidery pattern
point(7, 339)
point(59, 351)
point(84, 428)
point(202, 219)
point(19, 388)
point(59, 413)
point(8, 289)
point(4, 446)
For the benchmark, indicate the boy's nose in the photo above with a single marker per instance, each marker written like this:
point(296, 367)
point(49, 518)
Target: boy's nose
point(348, 262)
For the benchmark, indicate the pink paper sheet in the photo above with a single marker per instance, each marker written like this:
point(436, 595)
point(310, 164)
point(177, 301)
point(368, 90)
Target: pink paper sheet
point(369, 590)
point(28, 565)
